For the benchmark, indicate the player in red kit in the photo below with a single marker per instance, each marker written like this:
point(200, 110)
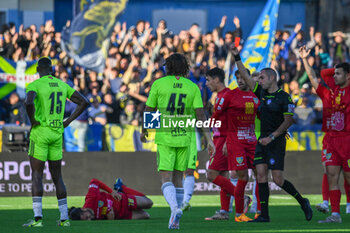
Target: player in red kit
point(111, 204)
point(327, 76)
point(224, 138)
point(218, 164)
point(240, 107)
point(337, 99)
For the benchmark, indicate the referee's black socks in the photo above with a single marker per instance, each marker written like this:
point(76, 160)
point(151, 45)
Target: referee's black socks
point(289, 188)
point(264, 193)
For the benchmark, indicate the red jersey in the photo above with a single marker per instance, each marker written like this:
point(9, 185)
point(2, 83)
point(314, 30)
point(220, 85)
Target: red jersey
point(101, 202)
point(219, 116)
point(240, 108)
point(340, 106)
point(325, 96)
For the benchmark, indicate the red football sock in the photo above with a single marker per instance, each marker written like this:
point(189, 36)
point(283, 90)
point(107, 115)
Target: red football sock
point(334, 196)
point(257, 196)
point(325, 188)
point(225, 184)
point(131, 191)
point(347, 191)
point(225, 200)
point(239, 196)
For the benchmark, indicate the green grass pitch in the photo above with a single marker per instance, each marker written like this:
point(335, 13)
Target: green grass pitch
point(286, 216)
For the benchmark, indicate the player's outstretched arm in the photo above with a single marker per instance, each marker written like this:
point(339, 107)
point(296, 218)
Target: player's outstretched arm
point(30, 107)
point(144, 133)
point(242, 70)
point(200, 115)
point(310, 72)
point(82, 103)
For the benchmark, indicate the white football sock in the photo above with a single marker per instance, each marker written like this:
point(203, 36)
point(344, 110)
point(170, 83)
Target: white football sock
point(179, 196)
point(234, 182)
point(189, 187)
point(169, 193)
point(37, 206)
point(63, 207)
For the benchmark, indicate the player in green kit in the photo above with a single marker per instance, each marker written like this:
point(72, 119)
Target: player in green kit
point(45, 103)
point(175, 98)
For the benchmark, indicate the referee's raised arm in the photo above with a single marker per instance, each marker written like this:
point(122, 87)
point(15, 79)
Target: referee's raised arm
point(242, 70)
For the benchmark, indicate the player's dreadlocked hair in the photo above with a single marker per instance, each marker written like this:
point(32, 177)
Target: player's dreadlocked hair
point(74, 213)
point(177, 65)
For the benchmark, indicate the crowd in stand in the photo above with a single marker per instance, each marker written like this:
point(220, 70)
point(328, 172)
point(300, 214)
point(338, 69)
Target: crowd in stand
point(136, 56)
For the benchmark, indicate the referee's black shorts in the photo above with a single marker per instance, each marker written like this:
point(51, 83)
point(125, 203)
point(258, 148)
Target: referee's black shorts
point(272, 154)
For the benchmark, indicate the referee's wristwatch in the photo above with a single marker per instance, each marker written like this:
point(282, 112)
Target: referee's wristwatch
point(272, 137)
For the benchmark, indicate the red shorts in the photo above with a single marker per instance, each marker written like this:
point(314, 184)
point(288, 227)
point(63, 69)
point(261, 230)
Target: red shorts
point(338, 152)
point(218, 162)
point(325, 142)
point(240, 156)
point(128, 204)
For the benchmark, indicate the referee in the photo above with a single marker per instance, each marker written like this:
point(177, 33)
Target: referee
point(276, 115)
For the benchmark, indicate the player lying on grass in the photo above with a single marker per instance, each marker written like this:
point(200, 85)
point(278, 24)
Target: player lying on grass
point(120, 203)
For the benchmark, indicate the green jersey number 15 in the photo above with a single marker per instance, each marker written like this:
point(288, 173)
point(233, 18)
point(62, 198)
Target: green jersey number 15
point(56, 96)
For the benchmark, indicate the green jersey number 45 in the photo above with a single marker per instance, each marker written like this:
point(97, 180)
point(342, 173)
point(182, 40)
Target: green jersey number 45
point(180, 104)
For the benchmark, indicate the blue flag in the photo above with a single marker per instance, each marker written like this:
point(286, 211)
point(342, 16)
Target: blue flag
point(257, 50)
point(86, 40)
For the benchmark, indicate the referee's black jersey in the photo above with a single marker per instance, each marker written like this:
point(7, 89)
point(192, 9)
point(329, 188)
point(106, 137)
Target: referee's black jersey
point(273, 107)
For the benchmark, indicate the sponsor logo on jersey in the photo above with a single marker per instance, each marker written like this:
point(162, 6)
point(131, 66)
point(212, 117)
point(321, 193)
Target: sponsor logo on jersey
point(55, 123)
point(93, 186)
point(100, 204)
point(131, 201)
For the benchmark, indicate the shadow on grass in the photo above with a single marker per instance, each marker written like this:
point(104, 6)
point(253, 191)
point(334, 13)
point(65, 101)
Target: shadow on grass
point(283, 219)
